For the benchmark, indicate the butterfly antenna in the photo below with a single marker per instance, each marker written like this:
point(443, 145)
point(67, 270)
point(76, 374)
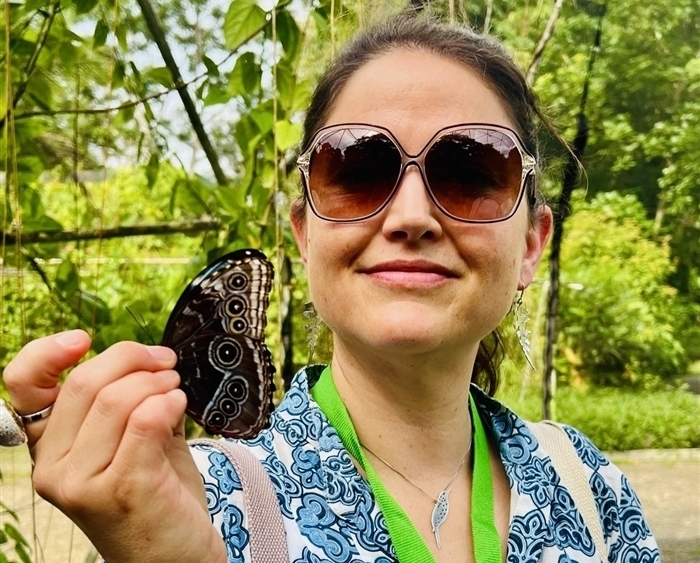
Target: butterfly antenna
point(143, 325)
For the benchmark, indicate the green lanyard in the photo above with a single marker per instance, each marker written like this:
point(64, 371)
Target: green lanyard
point(408, 543)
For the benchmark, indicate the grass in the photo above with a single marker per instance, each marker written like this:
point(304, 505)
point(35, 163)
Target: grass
point(619, 420)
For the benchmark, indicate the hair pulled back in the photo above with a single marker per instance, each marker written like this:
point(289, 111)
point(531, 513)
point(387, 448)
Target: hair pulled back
point(479, 53)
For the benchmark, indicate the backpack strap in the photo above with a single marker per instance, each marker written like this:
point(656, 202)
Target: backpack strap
point(569, 467)
point(268, 539)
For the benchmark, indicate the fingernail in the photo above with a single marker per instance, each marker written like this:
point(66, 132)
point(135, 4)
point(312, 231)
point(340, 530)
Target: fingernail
point(161, 353)
point(70, 338)
point(169, 375)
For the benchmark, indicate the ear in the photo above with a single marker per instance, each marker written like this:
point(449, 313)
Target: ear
point(536, 241)
point(297, 217)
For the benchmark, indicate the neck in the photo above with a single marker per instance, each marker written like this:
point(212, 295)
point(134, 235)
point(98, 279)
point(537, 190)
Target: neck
point(412, 412)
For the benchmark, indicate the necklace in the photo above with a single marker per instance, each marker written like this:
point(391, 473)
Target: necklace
point(407, 542)
point(442, 503)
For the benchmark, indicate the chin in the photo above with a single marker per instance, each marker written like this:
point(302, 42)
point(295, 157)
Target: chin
point(415, 333)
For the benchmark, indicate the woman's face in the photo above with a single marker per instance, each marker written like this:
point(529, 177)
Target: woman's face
point(411, 279)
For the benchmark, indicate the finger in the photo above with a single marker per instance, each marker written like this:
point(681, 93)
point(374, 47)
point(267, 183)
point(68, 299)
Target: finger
point(84, 383)
point(103, 429)
point(32, 376)
point(149, 431)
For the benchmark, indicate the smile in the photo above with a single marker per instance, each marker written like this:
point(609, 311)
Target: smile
point(413, 273)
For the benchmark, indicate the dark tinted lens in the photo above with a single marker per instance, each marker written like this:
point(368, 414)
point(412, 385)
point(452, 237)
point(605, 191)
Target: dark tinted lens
point(475, 173)
point(352, 173)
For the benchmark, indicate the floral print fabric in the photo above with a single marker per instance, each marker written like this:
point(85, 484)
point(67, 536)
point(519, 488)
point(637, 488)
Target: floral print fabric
point(330, 514)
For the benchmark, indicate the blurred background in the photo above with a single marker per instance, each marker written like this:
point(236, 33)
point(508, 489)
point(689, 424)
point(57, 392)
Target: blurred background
point(141, 140)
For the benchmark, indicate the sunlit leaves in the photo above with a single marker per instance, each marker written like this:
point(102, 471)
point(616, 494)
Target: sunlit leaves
point(287, 134)
point(99, 37)
point(245, 77)
point(84, 6)
point(289, 34)
point(161, 75)
point(619, 318)
point(67, 277)
point(243, 21)
point(152, 169)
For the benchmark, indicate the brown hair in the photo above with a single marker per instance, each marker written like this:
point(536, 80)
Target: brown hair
point(481, 54)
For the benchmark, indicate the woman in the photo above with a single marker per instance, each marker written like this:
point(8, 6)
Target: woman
point(420, 224)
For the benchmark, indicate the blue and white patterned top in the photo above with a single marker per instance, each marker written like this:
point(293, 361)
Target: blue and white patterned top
point(330, 514)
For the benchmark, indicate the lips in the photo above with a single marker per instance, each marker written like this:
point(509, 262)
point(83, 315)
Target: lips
point(411, 266)
point(410, 274)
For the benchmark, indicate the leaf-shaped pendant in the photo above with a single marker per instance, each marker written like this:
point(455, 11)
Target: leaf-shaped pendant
point(442, 507)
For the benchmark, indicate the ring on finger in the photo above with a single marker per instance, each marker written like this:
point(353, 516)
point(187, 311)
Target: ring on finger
point(36, 416)
point(12, 432)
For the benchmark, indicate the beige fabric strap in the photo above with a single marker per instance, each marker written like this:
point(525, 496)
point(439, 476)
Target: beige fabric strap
point(555, 441)
point(268, 539)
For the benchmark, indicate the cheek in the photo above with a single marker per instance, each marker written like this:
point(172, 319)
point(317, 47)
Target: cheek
point(327, 254)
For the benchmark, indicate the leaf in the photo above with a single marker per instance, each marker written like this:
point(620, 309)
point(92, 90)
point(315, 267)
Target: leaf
point(10, 511)
point(29, 168)
point(148, 111)
point(152, 169)
point(245, 76)
point(42, 223)
point(84, 6)
point(32, 5)
point(216, 95)
point(288, 33)
point(263, 119)
point(193, 196)
point(67, 277)
point(99, 38)
point(68, 53)
point(124, 115)
point(245, 130)
point(244, 19)
point(212, 68)
point(15, 534)
point(22, 552)
point(89, 307)
point(120, 33)
point(287, 134)
point(231, 200)
point(286, 82)
point(161, 75)
point(41, 91)
point(118, 74)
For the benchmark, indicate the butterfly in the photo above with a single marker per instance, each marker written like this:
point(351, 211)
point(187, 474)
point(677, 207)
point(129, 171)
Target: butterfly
point(217, 330)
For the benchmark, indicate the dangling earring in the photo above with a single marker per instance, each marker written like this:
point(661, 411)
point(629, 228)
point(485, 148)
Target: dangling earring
point(521, 317)
point(312, 327)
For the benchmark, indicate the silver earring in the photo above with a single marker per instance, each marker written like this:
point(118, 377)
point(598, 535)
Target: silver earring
point(312, 327)
point(521, 317)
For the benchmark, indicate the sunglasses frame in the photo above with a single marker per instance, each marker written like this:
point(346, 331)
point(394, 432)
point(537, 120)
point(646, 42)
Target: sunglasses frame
point(529, 166)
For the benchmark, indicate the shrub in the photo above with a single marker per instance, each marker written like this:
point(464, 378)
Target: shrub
point(617, 419)
point(619, 325)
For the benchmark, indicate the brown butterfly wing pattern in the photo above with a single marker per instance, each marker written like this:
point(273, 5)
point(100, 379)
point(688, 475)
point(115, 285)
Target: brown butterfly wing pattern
point(217, 329)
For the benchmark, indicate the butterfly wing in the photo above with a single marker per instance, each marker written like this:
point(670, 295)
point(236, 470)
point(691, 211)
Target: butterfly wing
point(217, 329)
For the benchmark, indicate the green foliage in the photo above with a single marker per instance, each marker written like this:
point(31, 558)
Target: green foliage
point(619, 320)
point(630, 301)
point(617, 419)
point(12, 540)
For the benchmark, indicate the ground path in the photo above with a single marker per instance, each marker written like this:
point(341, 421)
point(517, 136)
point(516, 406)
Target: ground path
point(667, 481)
point(668, 484)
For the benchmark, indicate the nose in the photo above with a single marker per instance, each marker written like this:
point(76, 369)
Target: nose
point(411, 215)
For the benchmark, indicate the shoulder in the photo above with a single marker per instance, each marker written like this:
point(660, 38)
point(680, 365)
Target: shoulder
point(537, 483)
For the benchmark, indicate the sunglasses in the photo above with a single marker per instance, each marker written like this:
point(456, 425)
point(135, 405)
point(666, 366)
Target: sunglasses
point(473, 172)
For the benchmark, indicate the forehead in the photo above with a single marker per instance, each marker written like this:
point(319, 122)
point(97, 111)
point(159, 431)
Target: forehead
point(413, 93)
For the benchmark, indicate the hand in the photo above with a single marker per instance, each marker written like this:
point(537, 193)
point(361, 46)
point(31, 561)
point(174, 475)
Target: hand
point(112, 454)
